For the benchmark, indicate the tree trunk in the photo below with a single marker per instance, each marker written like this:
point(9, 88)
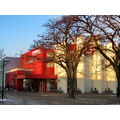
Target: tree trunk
point(71, 88)
point(72, 83)
point(118, 87)
point(68, 79)
point(118, 81)
point(75, 80)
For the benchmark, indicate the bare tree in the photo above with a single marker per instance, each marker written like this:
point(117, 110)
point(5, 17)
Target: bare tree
point(63, 35)
point(2, 53)
point(104, 33)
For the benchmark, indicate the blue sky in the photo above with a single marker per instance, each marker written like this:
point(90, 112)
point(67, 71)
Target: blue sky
point(17, 32)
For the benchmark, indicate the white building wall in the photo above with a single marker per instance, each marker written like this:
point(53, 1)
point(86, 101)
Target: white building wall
point(104, 86)
point(112, 85)
point(90, 75)
point(62, 84)
point(87, 80)
point(62, 79)
point(80, 85)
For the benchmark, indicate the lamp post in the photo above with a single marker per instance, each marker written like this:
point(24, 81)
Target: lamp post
point(2, 92)
point(4, 62)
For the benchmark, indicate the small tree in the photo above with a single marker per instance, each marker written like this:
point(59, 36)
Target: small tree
point(63, 35)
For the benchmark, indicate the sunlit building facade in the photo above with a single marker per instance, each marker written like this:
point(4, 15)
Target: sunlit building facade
point(92, 74)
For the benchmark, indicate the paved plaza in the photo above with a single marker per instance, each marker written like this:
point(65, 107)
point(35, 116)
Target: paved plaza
point(34, 98)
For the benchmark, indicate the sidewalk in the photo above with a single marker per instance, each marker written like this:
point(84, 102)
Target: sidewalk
point(35, 98)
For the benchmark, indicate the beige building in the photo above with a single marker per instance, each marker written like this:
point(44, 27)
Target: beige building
point(91, 74)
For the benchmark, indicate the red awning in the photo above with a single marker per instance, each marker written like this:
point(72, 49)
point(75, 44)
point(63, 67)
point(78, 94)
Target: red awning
point(36, 76)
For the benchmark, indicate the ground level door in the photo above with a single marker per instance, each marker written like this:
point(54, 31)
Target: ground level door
point(48, 86)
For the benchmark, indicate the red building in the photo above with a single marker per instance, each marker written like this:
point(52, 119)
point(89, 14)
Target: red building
point(33, 72)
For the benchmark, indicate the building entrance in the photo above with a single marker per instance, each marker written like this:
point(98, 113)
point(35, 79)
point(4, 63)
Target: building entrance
point(27, 84)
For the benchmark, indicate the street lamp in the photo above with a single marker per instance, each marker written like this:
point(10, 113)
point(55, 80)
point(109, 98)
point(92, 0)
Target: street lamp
point(4, 62)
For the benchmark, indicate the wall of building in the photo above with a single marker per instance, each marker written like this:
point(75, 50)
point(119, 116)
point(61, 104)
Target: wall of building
point(32, 66)
point(90, 74)
point(12, 62)
point(61, 80)
point(35, 60)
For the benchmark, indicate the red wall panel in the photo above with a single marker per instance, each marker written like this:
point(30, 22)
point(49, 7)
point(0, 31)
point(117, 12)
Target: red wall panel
point(36, 60)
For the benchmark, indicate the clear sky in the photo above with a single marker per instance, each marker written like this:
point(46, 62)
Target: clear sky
point(17, 32)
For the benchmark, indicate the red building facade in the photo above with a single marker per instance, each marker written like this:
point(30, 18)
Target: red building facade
point(34, 72)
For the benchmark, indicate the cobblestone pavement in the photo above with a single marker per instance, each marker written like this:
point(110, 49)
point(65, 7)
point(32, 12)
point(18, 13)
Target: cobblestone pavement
point(33, 98)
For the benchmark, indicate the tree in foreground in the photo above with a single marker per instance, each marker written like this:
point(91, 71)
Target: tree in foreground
point(63, 35)
point(104, 34)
